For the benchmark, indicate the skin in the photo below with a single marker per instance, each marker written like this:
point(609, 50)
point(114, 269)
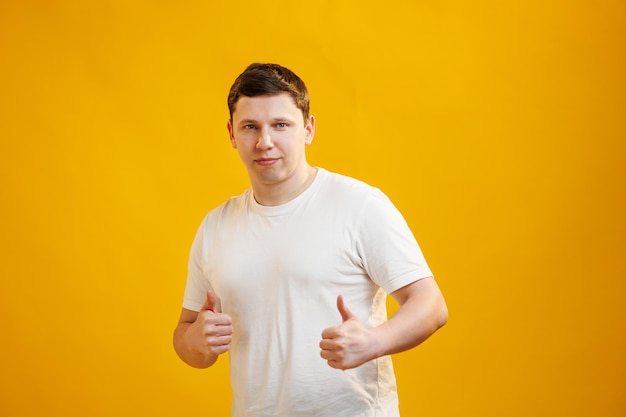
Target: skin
point(422, 311)
point(270, 135)
point(200, 337)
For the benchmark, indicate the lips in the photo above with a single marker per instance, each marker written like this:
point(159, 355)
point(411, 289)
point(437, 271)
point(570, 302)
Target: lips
point(266, 161)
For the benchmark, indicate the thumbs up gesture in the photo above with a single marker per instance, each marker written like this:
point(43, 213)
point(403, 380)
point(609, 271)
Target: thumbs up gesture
point(211, 333)
point(350, 344)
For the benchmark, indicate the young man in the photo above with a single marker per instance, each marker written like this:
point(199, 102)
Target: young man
point(291, 277)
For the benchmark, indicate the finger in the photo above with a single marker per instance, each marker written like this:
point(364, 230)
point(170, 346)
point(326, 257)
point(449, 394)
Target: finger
point(221, 330)
point(215, 341)
point(335, 364)
point(345, 312)
point(218, 344)
point(327, 345)
point(218, 350)
point(209, 304)
point(330, 333)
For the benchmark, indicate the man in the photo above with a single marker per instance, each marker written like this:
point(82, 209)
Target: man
point(291, 277)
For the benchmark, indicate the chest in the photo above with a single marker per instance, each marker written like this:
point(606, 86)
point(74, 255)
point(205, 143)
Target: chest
point(269, 255)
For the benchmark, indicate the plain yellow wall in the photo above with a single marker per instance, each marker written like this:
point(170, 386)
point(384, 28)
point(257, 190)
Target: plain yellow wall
point(498, 129)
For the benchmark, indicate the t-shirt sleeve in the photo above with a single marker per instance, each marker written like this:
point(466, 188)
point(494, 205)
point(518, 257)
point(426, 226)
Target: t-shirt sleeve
point(197, 280)
point(388, 249)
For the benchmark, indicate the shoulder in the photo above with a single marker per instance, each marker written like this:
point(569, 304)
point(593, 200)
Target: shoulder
point(344, 189)
point(228, 209)
point(344, 185)
point(354, 201)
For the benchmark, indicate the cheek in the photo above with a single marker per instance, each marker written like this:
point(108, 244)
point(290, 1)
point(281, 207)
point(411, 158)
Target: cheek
point(243, 142)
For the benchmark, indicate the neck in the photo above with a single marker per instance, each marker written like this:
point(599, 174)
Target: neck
point(275, 194)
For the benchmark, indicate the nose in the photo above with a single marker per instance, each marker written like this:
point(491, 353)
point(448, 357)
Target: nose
point(265, 140)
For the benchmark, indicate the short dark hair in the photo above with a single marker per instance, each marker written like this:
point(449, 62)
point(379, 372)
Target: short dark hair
point(268, 80)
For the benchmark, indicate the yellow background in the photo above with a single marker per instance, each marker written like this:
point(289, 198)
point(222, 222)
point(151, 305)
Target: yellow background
point(497, 128)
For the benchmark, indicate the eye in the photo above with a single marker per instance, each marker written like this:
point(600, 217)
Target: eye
point(281, 125)
point(249, 127)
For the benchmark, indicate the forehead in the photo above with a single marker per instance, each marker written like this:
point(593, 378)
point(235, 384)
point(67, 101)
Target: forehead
point(266, 106)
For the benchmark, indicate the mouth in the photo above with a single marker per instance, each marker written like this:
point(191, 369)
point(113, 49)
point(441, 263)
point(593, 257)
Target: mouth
point(266, 161)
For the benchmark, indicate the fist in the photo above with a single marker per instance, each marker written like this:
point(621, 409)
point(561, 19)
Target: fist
point(212, 332)
point(349, 344)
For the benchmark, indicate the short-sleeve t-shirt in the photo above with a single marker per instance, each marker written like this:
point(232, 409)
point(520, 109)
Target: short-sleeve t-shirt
point(277, 271)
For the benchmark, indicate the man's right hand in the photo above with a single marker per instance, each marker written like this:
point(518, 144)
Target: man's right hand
point(211, 332)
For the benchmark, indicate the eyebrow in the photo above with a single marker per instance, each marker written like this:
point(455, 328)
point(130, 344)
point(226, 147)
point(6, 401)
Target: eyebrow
point(274, 120)
point(247, 121)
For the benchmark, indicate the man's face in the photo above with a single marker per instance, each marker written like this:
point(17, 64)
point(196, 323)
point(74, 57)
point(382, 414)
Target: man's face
point(270, 135)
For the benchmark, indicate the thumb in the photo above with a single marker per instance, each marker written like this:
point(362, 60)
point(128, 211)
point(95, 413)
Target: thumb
point(345, 312)
point(209, 304)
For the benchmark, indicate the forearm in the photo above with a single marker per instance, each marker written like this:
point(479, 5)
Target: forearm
point(421, 313)
point(191, 357)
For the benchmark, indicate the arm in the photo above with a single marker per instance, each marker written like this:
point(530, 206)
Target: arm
point(200, 337)
point(422, 311)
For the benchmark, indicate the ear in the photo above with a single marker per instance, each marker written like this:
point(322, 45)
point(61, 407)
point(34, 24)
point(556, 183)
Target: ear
point(309, 130)
point(231, 134)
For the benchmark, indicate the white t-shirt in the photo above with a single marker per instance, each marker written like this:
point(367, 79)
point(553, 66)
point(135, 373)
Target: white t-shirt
point(278, 271)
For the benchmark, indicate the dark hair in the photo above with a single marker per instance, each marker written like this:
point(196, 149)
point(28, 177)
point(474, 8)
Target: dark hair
point(268, 80)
